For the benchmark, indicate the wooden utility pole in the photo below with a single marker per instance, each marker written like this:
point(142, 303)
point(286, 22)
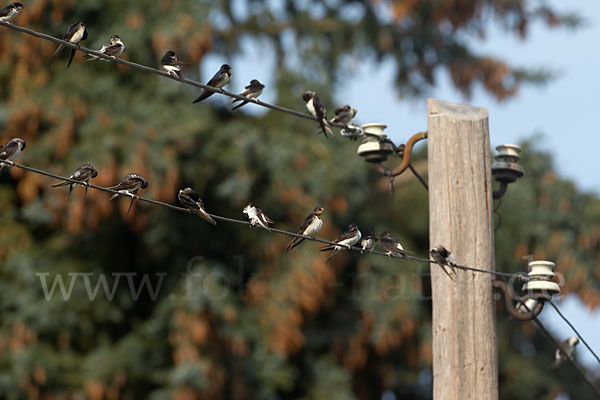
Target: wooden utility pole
point(465, 353)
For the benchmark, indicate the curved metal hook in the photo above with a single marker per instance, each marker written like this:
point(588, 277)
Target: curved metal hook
point(501, 190)
point(510, 307)
point(405, 158)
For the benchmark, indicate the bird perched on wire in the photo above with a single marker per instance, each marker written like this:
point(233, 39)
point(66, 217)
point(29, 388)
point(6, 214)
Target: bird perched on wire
point(170, 63)
point(83, 174)
point(353, 132)
point(368, 243)
point(114, 49)
point(9, 152)
point(219, 80)
point(8, 13)
point(345, 240)
point(443, 257)
point(392, 245)
point(315, 107)
point(129, 187)
point(566, 351)
point(191, 200)
point(256, 216)
point(253, 90)
point(311, 225)
point(75, 34)
point(343, 114)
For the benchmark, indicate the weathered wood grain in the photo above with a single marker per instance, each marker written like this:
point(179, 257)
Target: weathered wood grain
point(465, 354)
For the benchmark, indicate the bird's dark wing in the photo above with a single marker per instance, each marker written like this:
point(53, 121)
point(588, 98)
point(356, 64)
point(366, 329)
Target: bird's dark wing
point(215, 79)
point(344, 236)
point(187, 200)
point(321, 117)
point(243, 103)
point(297, 240)
point(81, 174)
point(306, 223)
point(112, 49)
point(263, 218)
point(202, 213)
point(126, 184)
point(5, 11)
point(71, 31)
point(60, 47)
point(388, 244)
point(203, 96)
point(207, 93)
point(319, 107)
point(10, 149)
point(63, 183)
point(71, 57)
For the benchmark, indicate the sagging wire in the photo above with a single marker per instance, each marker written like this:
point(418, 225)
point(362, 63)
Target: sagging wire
point(570, 358)
point(221, 218)
point(419, 177)
point(161, 73)
point(574, 330)
point(531, 314)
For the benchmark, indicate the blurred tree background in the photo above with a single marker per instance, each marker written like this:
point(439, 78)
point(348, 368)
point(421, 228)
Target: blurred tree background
point(252, 322)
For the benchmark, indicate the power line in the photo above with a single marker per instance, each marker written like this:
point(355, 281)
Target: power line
point(186, 81)
point(182, 209)
point(487, 271)
point(559, 347)
point(218, 217)
point(164, 74)
point(237, 221)
point(570, 358)
point(574, 330)
point(216, 90)
point(310, 238)
point(419, 177)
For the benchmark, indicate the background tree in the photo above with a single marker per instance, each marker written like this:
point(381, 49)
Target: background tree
point(253, 322)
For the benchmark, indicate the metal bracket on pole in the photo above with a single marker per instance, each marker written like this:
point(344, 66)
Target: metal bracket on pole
point(539, 288)
point(405, 152)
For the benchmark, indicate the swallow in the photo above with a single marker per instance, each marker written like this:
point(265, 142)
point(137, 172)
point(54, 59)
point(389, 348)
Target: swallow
point(311, 225)
point(114, 49)
point(392, 245)
point(83, 173)
point(75, 34)
point(129, 187)
point(343, 114)
point(347, 240)
point(317, 110)
point(368, 243)
point(566, 351)
point(253, 90)
point(443, 257)
point(11, 151)
point(192, 201)
point(8, 13)
point(257, 217)
point(352, 131)
point(170, 63)
point(220, 79)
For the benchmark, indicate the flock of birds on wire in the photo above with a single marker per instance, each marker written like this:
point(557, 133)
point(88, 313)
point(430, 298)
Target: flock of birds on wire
point(133, 182)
